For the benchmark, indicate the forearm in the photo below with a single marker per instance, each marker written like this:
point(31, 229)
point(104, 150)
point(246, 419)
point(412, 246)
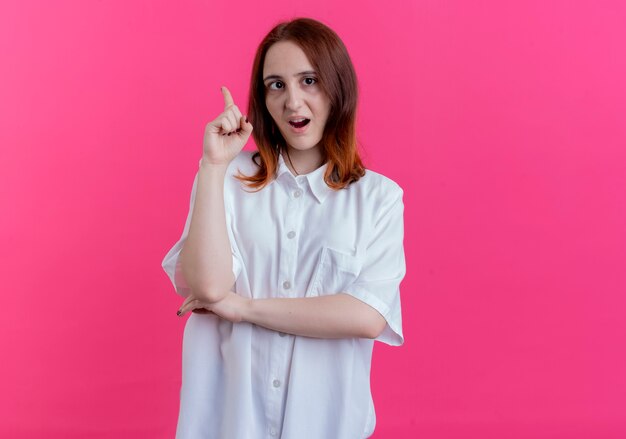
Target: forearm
point(206, 255)
point(328, 316)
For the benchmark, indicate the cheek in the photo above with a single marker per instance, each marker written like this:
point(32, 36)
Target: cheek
point(323, 112)
point(323, 106)
point(272, 107)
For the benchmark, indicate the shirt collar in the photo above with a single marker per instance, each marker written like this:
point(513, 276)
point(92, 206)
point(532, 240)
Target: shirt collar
point(315, 178)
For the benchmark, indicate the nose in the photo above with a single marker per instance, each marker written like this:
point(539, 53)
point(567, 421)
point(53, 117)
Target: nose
point(293, 99)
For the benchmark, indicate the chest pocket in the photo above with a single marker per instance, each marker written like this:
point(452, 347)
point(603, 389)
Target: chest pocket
point(335, 272)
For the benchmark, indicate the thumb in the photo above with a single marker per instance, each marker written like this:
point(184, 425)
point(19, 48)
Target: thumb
point(245, 125)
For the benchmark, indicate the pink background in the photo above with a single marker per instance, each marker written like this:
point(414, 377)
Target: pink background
point(502, 121)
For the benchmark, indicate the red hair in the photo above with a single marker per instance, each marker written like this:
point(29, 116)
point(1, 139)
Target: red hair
point(337, 78)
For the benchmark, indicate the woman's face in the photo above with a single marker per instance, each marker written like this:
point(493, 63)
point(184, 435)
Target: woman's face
point(292, 92)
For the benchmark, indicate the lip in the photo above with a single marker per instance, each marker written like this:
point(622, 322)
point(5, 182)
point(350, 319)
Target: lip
point(297, 116)
point(299, 130)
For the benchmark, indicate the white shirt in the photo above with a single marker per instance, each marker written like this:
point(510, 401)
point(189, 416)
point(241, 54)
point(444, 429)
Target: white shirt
point(296, 237)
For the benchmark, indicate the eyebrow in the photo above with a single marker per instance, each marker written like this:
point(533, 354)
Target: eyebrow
point(308, 72)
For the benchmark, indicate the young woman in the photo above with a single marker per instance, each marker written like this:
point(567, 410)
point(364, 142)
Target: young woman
point(291, 257)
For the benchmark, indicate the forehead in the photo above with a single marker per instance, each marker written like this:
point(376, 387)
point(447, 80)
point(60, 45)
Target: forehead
point(285, 58)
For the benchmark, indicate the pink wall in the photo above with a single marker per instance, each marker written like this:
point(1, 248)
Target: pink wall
point(503, 122)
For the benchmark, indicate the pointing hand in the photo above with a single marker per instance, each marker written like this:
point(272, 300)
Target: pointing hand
point(227, 134)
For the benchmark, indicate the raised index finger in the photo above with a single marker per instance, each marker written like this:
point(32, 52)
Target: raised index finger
point(228, 99)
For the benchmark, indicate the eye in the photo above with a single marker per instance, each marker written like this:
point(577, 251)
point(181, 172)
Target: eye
point(312, 79)
point(272, 83)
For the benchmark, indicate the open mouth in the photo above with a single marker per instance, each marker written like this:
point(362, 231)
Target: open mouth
point(300, 123)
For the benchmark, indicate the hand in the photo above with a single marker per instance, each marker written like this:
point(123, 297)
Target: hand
point(231, 307)
point(226, 135)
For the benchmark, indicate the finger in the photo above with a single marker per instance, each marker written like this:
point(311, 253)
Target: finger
point(226, 125)
point(183, 310)
point(244, 125)
point(235, 110)
point(228, 99)
point(233, 120)
point(237, 118)
point(187, 306)
point(188, 299)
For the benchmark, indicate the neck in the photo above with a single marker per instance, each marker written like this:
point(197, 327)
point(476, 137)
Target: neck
point(303, 161)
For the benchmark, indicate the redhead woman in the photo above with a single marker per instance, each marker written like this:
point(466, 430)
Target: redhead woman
point(291, 256)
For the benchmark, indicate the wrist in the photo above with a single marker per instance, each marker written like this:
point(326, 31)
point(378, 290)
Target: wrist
point(205, 164)
point(247, 310)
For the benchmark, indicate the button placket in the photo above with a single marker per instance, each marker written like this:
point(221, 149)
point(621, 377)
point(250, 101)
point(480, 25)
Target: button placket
point(289, 249)
point(279, 361)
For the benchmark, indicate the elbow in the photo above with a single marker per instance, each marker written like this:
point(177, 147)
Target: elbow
point(214, 292)
point(371, 322)
point(376, 326)
point(210, 290)
point(209, 294)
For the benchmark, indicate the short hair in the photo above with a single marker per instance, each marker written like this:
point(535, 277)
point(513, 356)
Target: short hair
point(337, 78)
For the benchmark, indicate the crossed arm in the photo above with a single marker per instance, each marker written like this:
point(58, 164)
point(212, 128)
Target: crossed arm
point(328, 316)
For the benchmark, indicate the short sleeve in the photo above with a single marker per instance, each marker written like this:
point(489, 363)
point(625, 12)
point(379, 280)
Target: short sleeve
point(384, 267)
point(171, 264)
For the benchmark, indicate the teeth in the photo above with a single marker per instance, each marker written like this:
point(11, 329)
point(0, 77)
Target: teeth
point(298, 120)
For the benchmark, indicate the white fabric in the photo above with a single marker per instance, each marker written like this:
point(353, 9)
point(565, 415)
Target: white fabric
point(294, 238)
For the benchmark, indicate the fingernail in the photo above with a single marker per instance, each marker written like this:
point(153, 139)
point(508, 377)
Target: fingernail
point(178, 312)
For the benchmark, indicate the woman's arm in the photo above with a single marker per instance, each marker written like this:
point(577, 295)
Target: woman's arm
point(206, 255)
point(328, 316)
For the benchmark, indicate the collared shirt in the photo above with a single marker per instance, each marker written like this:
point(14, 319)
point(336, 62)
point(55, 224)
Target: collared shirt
point(296, 237)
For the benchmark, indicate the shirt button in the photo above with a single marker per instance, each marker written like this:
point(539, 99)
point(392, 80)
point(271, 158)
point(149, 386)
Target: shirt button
point(276, 383)
point(297, 193)
point(273, 431)
point(282, 334)
point(286, 284)
point(291, 234)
